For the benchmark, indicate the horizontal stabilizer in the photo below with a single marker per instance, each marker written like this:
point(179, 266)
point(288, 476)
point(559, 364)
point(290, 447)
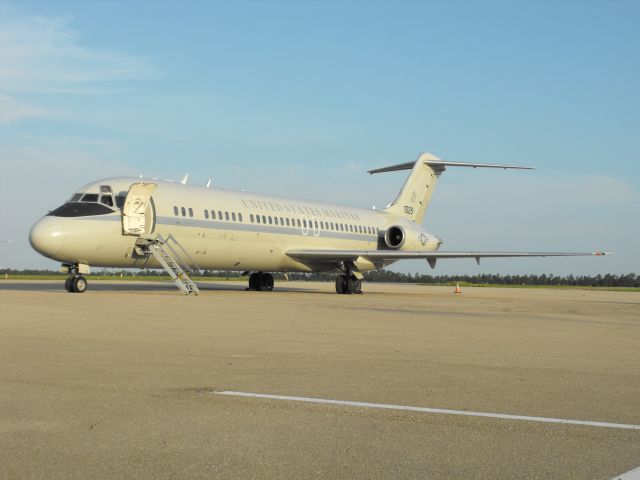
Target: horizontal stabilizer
point(443, 163)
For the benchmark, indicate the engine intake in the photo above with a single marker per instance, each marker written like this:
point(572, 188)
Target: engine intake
point(395, 237)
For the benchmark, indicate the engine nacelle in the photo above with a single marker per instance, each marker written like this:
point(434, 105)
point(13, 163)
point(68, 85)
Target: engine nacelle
point(395, 237)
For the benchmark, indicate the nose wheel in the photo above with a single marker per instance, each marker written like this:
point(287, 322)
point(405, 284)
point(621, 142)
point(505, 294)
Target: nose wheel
point(75, 284)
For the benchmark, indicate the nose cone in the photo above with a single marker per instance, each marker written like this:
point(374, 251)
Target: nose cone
point(46, 236)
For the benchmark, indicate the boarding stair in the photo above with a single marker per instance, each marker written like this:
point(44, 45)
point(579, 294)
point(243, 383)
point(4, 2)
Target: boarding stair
point(166, 251)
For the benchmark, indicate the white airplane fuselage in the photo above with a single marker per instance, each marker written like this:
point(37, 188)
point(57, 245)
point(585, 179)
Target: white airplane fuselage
point(219, 229)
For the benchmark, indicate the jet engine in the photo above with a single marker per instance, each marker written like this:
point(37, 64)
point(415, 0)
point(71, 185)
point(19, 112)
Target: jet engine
point(395, 237)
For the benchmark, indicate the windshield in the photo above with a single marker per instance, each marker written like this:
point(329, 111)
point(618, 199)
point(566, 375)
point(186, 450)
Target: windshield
point(105, 197)
point(88, 204)
point(80, 209)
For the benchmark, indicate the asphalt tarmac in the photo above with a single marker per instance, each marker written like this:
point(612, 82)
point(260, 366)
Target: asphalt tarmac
point(119, 382)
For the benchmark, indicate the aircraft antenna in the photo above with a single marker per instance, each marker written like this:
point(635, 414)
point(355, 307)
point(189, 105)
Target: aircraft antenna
point(208, 183)
point(185, 178)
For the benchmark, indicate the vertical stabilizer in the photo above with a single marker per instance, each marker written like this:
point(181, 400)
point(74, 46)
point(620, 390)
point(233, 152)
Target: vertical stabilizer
point(414, 198)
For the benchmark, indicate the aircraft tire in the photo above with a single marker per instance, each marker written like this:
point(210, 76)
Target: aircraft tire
point(354, 286)
point(254, 281)
point(79, 284)
point(266, 282)
point(341, 284)
point(68, 284)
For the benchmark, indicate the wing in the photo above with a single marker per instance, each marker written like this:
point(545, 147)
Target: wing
point(325, 256)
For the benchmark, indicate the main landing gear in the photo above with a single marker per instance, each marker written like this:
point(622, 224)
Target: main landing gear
point(260, 281)
point(348, 284)
point(75, 284)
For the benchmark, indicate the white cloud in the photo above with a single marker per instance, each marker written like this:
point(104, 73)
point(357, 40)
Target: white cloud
point(44, 55)
point(12, 111)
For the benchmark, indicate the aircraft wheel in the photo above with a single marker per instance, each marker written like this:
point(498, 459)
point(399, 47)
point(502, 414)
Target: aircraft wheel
point(354, 286)
point(266, 282)
point(341, 284)
point(254, 281)
point(79, 284)
point(68, 284)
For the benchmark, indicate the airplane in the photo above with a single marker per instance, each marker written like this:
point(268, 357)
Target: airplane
point(130, 222)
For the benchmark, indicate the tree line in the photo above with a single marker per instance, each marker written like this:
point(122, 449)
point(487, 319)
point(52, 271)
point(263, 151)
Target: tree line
point(606, 280)
point(600, 280)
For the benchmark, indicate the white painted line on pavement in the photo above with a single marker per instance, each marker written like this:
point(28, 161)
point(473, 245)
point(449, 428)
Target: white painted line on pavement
point(432, 410)
point(630, 475)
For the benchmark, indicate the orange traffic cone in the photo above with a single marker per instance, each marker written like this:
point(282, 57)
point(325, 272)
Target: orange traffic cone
point(457, 290)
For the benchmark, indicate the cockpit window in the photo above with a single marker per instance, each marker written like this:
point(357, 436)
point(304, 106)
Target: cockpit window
point(105, 189)
point(106, 199)
point(76, 197)
point(80, 209)
point(90, 197)
point(120, 200)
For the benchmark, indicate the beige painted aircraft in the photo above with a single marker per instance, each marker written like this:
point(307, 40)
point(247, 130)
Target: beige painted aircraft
point(138, 223)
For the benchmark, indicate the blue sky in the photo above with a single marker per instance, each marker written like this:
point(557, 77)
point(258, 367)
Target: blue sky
point(301, 98)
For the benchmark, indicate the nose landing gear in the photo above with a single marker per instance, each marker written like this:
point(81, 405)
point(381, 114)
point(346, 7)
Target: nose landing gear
point(75, 283)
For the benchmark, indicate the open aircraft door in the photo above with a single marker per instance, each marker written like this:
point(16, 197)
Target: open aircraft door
point(138, 214)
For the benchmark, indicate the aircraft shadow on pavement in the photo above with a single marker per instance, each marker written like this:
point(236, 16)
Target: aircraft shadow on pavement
point(55, 286)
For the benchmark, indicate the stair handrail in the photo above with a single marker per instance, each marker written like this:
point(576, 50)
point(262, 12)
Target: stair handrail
point(185, 265)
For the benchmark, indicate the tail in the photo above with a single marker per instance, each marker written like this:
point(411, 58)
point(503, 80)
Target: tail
point(414, 198)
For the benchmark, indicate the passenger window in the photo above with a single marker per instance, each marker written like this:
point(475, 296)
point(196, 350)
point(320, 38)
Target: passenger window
point(257, 218)
point(275, 219)
point(304, 223)
point(190, 212)
point(219, 214)
point(264, 219)
point(90, 197)
point(239, 217)
point(233, 216)
point(183, 211)
point(270, 220)
point(175, 211)
point(315, 222)
point(298, 222)
point(226, 216)
point(206, 214)
point(213, 214)
point(287, 222)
